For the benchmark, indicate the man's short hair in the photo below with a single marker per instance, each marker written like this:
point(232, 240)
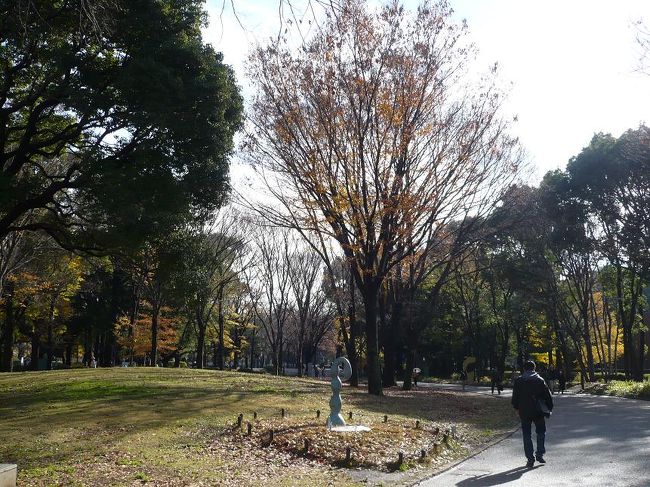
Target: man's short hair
point(529, 365)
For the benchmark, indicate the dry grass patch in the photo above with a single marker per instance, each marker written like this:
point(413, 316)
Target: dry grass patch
point(178, 427)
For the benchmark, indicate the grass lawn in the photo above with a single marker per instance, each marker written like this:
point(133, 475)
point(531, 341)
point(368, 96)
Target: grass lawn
point(178, 427)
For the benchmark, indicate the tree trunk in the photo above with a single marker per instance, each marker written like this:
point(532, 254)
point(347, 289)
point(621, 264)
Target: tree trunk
point(638, 376)
point(351, 344)
point(154, 336)
point(281, 353)
point(252, 351)
point(36, 345)
point(636, 360)
point(6, 359)
point(353, 357)
point(627, 342)
point(221, 328)
point(391, 348)
point(586, 332)
point(68, 355)
point(505, 339)
point(299, 353)
point(275, 359)
point(50, 336)
point(410, 364)
point(370, 294)
point(200, 346)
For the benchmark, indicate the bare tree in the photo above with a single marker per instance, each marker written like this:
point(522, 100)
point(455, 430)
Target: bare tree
point(314, 315)
point(269, 286)
point(372, 134)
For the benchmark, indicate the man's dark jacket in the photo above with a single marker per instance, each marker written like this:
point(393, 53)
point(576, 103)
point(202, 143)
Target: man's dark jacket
point(525, 392)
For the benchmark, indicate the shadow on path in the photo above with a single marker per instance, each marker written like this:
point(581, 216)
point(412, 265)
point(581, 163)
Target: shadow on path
point(496, 478)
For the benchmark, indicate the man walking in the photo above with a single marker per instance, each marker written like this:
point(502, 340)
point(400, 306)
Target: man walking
point(533, 401)
point(561, 379)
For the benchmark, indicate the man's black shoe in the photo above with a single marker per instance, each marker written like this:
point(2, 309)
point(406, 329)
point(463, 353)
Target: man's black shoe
point(530, 463)
point(541, 460)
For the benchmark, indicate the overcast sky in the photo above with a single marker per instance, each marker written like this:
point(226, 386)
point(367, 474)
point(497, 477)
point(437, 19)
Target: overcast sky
point(572, 63)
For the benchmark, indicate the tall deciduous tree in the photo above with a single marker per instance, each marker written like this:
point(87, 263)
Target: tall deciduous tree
point(374, 135)
point(269, 283)
point(217, 259)
point(314, 315)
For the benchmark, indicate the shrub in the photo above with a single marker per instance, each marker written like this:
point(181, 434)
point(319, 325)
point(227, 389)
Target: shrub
point(640, 390)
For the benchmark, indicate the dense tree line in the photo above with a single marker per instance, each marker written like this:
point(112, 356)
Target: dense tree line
point(401, 232)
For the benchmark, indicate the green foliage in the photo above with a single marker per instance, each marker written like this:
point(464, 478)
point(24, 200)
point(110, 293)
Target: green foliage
point(636, 390)
point(118, 118)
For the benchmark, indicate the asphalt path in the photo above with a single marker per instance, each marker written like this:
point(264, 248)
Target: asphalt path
point(590, 441)
point(458, 387)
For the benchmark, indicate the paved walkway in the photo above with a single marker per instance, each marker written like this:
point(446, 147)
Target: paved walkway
point(590, 441)
point(458, 387)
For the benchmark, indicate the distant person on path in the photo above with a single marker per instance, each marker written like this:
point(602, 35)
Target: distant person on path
point(561, 381)
point(532, 400)
point(415, 376)
point(497, 380)
point(552, 377)
point(463, 378)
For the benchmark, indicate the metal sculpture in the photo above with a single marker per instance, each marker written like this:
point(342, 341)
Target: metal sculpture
point(335, 419)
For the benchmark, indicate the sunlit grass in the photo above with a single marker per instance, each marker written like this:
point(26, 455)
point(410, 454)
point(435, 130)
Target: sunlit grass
point(116, 426)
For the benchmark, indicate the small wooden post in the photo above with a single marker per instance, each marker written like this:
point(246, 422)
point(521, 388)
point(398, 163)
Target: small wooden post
point(283, 412)
point(385, 418)
point(240, 418)
point(318, 413)
point(423, 454)
point(306, 445)
point(417, 424)
point(270, 437)
point(350, 415)
point(348, 454)
point(249, 428)
point(400, 458)
point(255, 415)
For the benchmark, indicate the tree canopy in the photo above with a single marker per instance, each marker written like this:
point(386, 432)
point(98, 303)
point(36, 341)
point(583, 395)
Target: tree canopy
point(116, 120)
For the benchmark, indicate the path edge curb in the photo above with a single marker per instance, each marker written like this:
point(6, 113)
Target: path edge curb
point(490, 444)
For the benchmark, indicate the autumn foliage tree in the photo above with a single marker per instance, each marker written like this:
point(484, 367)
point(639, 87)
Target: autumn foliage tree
point(373, 133)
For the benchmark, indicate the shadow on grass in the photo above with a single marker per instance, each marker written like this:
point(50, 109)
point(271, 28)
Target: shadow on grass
point(62, 416)
point(440, 406)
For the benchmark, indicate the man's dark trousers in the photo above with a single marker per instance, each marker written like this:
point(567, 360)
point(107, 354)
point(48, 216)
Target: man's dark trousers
point(540, 429)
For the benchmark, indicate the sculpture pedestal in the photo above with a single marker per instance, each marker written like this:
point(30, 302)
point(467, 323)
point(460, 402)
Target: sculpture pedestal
point(8, 474)
point(350, 429)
